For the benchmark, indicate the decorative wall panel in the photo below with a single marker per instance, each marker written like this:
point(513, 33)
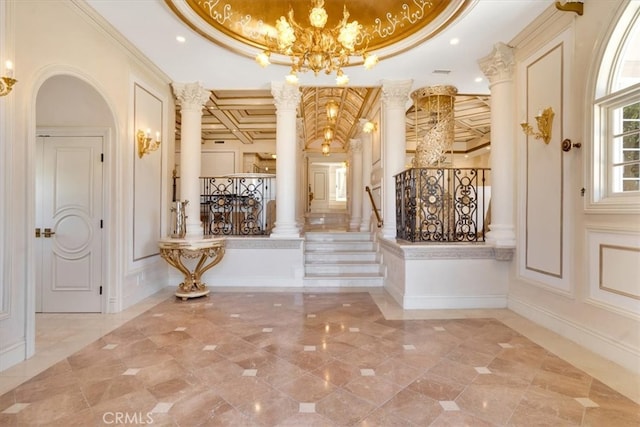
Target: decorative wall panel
point(544, 233)
point(147, 176)
point(614, 274)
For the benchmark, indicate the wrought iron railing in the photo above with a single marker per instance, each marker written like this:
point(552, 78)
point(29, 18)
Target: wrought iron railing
point(238, 205)
point(442, 204)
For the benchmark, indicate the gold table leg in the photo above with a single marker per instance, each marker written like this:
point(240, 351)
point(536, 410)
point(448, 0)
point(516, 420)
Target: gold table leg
point(192, 286)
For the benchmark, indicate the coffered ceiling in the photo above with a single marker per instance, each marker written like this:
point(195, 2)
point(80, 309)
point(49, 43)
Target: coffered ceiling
point(249, 116)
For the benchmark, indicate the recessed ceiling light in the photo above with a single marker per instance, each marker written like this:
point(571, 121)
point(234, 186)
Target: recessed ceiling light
point(478, 79)
point(181, 39)
point(454, 41)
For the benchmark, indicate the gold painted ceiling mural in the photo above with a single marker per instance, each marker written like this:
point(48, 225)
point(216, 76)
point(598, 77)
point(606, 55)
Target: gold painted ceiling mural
point(389, 27)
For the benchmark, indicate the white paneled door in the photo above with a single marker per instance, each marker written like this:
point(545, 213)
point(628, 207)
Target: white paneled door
point(69, 187)
point(319, 185)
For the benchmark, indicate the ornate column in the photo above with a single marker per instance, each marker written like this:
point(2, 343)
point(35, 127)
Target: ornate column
point(286, 98)
point(191, 97)
point(355, 146)
point(498, 67)
point(367, 160)
point(395, 95)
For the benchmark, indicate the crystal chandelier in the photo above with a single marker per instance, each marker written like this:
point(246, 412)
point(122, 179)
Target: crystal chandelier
point(317, 48)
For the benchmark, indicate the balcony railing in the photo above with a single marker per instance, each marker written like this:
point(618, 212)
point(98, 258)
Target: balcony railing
point(442, 204)
point(238, 205)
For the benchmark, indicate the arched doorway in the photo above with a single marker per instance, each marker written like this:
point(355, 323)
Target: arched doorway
point(72, 125)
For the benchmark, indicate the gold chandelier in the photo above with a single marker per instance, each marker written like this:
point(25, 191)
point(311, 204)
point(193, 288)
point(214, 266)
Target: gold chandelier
point(317, 48)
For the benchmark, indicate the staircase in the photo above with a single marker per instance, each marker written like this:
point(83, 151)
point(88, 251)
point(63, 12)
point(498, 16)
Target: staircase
point(341, 259)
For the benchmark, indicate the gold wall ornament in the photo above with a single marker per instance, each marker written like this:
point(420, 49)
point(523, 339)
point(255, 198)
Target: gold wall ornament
point(544, 120)
point(571, 6)
point(146, 144)
point(317, 48)
point(7, 82)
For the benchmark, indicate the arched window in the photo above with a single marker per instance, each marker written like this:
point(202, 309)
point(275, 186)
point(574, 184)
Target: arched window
point(616, 148)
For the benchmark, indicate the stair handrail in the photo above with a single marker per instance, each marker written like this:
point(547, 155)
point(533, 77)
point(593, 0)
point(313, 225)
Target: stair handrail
point(375, 208)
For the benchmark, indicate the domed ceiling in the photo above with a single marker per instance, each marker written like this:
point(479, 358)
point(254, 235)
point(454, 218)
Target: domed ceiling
point(388, 27)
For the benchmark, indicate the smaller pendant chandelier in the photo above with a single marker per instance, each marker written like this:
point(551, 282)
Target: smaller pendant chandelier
point(332, 110)
point(326, 148)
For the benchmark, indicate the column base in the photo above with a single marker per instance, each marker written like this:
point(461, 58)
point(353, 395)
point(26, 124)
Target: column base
point(285, 231)
point(501, 236)
point(354, 225)
point(195, 231)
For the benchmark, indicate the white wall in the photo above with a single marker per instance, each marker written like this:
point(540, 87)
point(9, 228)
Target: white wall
point(556, 62)
point(46, 39)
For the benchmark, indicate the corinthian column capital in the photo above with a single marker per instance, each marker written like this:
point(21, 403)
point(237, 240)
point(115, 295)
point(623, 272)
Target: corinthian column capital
point(286, 96)
point(191, 96)
point(395, 93)
point(498, 65)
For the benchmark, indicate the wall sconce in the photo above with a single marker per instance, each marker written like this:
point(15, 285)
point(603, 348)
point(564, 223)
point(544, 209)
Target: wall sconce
point(369, 127)
point(544, 120)
point(7, 82)
point(571, 6)
point(145, 143)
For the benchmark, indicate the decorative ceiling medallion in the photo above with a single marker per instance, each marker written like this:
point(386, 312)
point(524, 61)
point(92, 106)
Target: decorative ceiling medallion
point(388, 27)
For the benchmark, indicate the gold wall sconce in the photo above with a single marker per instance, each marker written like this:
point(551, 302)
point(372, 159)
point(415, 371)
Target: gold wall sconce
point(369, 127)
point(7, 82)
point(146, 144)
point(544, 119)
point(571, 6)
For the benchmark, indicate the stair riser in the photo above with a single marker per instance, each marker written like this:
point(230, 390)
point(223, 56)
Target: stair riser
point(337, 237)
point(341, 257)
point(342, 269)
point(343, 282)
point(336, 246)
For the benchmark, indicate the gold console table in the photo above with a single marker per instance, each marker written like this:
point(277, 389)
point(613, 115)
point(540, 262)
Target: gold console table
point(209, 251)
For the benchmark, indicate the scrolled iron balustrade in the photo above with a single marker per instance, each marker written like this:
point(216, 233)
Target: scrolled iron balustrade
point(441, 204)
point(237, 205)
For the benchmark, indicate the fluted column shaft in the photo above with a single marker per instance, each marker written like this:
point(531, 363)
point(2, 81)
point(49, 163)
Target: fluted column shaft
point(498, 67)
point(395, 95)
point(191, 97)
point(286, 97)
point(357, 188)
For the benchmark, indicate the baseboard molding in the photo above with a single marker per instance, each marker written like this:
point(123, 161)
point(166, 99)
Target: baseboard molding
point(142, 292)
point(610, 349)
point(395, 294)
point(453, 302)
point(12, 355)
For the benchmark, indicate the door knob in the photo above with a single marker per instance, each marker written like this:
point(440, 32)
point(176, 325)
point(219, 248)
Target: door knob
point(48, 233)
point(38, 232)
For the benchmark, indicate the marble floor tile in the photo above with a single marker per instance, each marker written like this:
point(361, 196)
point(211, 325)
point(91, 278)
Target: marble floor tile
point(284, 358)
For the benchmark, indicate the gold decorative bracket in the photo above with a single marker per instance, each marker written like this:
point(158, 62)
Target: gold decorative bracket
point(544, 120)
point(571, 6)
